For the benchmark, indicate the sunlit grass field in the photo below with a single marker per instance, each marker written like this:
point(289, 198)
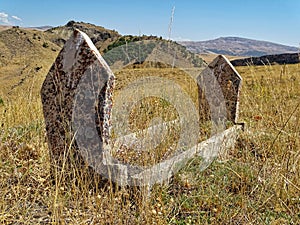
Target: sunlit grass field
point(257, 182)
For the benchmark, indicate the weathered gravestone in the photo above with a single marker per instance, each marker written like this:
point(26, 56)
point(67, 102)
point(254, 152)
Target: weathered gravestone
point(221, 72)
point(77, 102)
point(79, 59)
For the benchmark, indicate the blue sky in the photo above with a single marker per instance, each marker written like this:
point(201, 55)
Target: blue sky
point(271, 20)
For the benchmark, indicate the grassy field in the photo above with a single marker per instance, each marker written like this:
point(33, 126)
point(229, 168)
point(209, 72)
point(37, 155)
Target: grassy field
point(257, 182)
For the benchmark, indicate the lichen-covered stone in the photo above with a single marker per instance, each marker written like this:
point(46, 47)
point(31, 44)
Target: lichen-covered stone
point(78, 58)
point(227, 89)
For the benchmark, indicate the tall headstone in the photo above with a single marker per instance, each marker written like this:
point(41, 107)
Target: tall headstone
point(228, 82)
point(79, 58)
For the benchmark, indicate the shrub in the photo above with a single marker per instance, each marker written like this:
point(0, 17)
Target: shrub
point(45, 45)
point(1, 101)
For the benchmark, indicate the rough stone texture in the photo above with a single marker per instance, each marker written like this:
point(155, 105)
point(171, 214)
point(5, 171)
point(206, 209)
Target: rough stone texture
point(229, 84)
point(78, 58)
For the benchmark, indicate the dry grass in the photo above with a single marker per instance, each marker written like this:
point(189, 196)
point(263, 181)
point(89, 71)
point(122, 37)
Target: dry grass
point(257, 183)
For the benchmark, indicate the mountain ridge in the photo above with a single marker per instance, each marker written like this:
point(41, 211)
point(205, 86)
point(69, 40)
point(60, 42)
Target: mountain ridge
point(238, 46)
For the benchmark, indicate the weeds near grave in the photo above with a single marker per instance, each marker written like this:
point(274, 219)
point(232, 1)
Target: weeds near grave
point(257, 182)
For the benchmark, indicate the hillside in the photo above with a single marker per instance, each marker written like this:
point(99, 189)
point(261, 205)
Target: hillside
point(238, 47)
point(25, 57)
point(100, 36)
point(26, 54)
point(149, 51)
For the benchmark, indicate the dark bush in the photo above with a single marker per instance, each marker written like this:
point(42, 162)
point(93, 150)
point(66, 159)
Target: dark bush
point(1, 101)
point(45, 45)
point(70, 23)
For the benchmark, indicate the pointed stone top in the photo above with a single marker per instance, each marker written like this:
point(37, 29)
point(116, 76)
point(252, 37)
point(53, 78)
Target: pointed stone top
point(221, 59)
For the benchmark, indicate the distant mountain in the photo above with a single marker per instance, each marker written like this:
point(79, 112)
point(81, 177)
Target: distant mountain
point(43, 28)
point(238, 47)
point(4, 27)
point(40, 28)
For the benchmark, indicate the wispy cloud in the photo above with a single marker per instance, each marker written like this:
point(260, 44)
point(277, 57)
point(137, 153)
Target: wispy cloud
point(16, 18)
point(6, 19)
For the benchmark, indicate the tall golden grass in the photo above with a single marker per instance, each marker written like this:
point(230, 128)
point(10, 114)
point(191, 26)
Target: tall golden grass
point(258, 182)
